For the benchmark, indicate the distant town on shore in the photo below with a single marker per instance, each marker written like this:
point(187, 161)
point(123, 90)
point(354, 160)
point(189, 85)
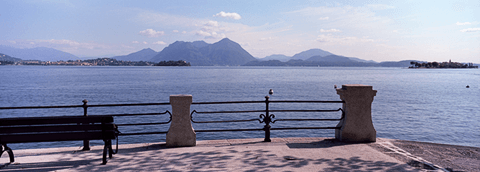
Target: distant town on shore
point(96, 62)
point(449, 64)
point(199, 53)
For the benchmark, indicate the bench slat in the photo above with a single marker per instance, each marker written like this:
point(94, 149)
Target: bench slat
point(54, 120)
point(48, 137)
point(56, 128)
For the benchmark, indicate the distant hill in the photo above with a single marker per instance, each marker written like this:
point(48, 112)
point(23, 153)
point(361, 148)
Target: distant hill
point(403, 63)
point(267, 63)
point(299, 62)
point(199, 53)
point(39, 53)
point(361, 60)
point(310, 53)
point(4, 57)
point(199, 44)
point(180, 50)
point(279, 57)
point(330, 58)
point(142, 55)
point(304, 55)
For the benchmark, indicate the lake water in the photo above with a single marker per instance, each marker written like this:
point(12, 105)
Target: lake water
point(431, 105)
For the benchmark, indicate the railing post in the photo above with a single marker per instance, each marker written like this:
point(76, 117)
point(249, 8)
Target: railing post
point(181, 132)
point(86, 143)
point(267, 119)
point(357, 125)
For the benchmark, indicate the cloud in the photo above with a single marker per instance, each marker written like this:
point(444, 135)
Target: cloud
point(195, 26)
point(216, 36)
point(464, 23)
point(210, 35)
point(211, 30)
point(175, 31)
point(330, 30)
point(470, 30)
point(159, 43)
point(145, 42)
point(70, 43)
point(162, 19)
point(266, 39)
point(346, 16)
point(135, 42)
point(59, 42)
point(69, 46)
point(151, 33)
point(341, 39)
point(211, 26)
point(203, 33)
point(212, 23)
point(380, 6)
point(234, 16)
point(323, 18)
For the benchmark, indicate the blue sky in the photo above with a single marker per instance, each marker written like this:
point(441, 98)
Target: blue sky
point(371, 30)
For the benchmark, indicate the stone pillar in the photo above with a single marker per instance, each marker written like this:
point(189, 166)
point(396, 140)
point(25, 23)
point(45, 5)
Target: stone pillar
point(357, 125)
point(181, 132)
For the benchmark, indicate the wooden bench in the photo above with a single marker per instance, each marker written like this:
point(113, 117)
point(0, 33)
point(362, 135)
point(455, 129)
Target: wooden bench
point(61, 128)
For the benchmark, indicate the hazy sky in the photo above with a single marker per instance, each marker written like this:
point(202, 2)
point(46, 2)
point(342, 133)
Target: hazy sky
point(371, 30)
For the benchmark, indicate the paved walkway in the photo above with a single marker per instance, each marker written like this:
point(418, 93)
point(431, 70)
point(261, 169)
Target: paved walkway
point(282, 154)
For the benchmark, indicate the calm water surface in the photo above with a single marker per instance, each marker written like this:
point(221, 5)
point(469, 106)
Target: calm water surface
point(420, 105)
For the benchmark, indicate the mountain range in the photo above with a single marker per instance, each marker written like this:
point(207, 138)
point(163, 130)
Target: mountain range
point(142, 55)
point(305, 55)
point(39, 53)
point(330, 60)
point(4, 57)
point(199, 53)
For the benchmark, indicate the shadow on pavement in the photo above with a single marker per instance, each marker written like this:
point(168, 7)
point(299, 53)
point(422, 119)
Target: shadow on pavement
point(326, 143)
point(225, 158)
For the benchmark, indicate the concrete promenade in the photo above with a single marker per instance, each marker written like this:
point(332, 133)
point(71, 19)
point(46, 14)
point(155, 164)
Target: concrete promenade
point(282, 154)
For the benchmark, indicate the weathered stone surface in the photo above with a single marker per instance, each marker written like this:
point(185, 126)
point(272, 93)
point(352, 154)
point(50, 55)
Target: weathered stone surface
point(181, 132)
point(357, 125)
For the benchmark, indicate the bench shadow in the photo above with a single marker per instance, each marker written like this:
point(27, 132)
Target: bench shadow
point(46, 166)
point(68, 163)
point(326, 143)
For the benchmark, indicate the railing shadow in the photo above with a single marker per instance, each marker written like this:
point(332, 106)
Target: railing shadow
point(326, 143)
point(245, 157)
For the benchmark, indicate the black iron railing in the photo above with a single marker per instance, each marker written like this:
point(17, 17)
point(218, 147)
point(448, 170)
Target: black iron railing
point(266, 116)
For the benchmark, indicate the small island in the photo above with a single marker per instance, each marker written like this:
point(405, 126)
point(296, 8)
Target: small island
point(449, 64)
point(173, 63)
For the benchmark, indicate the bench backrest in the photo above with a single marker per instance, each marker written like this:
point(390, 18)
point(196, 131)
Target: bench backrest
point(61, 128)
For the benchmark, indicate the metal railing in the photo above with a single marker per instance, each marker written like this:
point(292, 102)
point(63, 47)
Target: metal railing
point(266, 115)
point(85, 106)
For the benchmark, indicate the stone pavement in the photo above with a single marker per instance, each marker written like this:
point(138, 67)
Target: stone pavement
point(282, 154)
